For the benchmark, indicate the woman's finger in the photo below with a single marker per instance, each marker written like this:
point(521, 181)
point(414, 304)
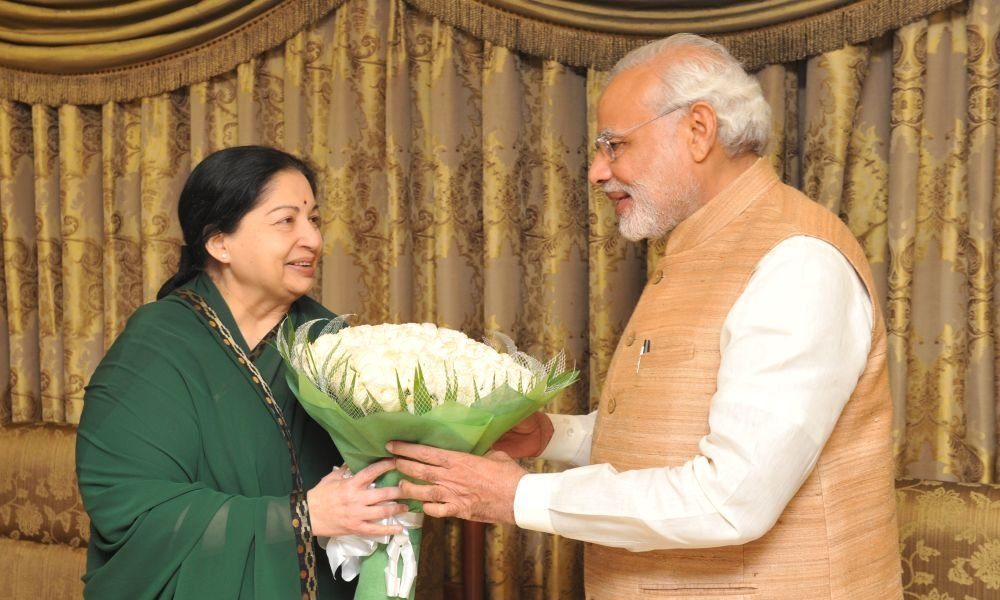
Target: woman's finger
point(382, 494)
point(375, 529)
point(337, 473)
point(381, 511)
point(373, 471)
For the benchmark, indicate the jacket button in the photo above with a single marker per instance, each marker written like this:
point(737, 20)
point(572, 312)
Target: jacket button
point(657, 276)
point(630, 338)
point(611, 405)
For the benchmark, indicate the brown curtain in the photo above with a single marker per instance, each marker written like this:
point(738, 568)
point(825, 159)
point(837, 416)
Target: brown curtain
point(454, 191)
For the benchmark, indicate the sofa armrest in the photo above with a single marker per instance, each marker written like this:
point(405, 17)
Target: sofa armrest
point(39, 498)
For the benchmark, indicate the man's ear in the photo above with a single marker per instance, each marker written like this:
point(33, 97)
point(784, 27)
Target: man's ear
point(217, 248)
point(703, 126)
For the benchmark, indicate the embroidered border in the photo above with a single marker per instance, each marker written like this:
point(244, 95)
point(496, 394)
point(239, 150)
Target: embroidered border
point(298, 506)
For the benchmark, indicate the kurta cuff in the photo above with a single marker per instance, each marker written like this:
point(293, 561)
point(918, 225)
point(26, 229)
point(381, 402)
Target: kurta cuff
point(571, 437)
point(531, 501)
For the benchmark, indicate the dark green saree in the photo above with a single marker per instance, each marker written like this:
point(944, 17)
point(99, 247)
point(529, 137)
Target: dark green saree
point(187, 470)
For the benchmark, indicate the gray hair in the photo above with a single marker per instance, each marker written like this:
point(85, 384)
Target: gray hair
point(713, 76)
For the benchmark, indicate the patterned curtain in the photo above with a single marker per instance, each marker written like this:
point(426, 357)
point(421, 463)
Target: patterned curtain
point(454, 191)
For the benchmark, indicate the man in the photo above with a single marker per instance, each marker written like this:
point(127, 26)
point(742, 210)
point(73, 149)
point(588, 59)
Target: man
point(742, 444)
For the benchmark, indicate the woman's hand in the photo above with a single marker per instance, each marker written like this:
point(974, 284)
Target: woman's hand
point(528, 438)
point(339, 506)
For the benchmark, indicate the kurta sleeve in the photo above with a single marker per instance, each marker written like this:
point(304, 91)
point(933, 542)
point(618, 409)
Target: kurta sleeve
point(158, 529)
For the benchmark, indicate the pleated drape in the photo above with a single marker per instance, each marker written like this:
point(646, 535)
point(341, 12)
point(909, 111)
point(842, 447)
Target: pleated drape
point(453, 190)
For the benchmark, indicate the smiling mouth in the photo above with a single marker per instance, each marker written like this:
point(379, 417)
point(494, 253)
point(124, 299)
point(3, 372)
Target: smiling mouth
point(304, 267)
point(621, 201)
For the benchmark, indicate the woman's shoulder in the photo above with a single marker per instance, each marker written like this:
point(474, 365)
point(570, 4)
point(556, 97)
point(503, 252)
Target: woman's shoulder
point(157, 329)
point(167, 315)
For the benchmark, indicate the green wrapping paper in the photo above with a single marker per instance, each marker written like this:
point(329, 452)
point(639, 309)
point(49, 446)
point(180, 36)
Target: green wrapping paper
point(361, 438)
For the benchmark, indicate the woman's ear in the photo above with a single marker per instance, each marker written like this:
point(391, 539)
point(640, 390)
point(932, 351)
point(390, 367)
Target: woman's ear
point(216, 246)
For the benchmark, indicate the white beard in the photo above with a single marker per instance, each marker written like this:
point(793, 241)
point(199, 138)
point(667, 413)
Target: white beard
point(650, 216)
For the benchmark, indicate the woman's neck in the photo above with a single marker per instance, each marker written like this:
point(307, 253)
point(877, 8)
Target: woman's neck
point(254, 314)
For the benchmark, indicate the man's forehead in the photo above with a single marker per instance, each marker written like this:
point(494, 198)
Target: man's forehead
point(625, 98)
point(628, 96)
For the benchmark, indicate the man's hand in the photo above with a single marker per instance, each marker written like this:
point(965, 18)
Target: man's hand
point(476, 488)
point(528, 438)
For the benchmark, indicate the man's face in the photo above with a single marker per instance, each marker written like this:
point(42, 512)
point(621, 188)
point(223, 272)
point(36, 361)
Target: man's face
point(650, 180)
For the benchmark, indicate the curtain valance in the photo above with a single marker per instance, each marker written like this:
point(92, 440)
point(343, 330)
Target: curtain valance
point(94, 51)
point(596, 33)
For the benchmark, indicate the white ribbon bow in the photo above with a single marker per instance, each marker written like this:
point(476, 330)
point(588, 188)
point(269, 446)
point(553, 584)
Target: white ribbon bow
point(398, 585)
point(345, 552)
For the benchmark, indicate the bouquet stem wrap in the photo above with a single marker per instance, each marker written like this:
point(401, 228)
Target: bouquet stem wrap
point(361, 429)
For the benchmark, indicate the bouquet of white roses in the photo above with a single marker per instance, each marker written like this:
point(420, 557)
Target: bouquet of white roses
point(368, 385)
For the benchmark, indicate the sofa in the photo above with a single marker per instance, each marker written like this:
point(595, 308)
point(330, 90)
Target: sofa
point(949, 532)
point(43, 527)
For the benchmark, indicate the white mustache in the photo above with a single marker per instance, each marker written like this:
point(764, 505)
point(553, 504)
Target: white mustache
point(611, 187)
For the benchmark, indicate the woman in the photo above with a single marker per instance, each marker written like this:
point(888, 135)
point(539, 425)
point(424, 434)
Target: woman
point(202, 475)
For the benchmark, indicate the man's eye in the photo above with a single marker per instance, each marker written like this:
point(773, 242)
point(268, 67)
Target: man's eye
point(616, 145)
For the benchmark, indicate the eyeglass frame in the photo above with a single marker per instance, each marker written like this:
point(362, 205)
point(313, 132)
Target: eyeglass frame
point(604, 141)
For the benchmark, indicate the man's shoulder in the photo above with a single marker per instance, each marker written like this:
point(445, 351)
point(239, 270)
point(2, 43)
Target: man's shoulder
point(798, 214)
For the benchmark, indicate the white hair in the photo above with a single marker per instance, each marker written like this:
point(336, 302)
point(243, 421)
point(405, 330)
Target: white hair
point(710, 75)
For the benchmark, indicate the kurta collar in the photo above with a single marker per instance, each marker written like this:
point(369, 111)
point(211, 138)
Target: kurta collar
point(723, 208)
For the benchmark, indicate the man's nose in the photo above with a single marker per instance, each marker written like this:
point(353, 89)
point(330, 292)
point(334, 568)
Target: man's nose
point(600, 169)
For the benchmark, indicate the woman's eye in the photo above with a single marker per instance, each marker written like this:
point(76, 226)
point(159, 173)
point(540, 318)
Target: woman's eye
point(316, 220)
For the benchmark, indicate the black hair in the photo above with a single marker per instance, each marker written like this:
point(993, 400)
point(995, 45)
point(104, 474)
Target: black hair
point(220, 191)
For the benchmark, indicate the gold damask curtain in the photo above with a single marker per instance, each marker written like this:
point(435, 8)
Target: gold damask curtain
point(453, 190)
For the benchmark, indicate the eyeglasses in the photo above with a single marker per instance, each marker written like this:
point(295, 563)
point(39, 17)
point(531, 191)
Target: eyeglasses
point(607, 140)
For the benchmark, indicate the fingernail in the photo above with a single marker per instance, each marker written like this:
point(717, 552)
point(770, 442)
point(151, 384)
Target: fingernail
point(388, 446)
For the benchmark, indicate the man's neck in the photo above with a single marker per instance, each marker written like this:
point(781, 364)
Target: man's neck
point(718, 173)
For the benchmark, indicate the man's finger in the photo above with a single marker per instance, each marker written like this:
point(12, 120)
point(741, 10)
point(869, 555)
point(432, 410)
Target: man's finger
point(424, 493)
point(417, 470)
point(498, 455)
point(439, 510)
point(424, 454)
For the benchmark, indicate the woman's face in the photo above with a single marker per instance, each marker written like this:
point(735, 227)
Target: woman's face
point(272, 255)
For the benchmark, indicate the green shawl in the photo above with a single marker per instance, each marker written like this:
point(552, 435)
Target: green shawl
point(185, 471)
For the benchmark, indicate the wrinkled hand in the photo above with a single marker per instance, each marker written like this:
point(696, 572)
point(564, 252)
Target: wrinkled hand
point(528, 438)
point(339, 506)
point(476, 488)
